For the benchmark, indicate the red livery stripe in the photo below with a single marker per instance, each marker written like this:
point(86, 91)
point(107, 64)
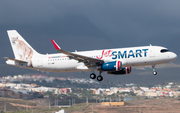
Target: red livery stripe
point(118, 66)
point(127, 70)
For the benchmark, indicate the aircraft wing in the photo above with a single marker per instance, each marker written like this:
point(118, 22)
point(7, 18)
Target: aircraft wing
point(88, 61)
point(20, 61)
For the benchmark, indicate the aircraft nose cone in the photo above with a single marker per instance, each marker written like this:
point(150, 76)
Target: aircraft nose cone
point(173, 56)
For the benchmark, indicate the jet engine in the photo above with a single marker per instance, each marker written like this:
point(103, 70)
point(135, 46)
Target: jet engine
point(112, 66)
point(125, 70)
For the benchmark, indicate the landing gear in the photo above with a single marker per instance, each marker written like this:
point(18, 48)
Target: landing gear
point(154, 70)
point(154, 73)
point(92, 76)
point(99, 78)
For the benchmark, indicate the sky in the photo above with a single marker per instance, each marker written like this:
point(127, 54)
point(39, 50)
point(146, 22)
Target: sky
point(87, 25)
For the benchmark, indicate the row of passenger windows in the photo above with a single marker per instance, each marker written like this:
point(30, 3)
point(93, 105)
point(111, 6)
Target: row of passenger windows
point(67, 58)
point(58, 59)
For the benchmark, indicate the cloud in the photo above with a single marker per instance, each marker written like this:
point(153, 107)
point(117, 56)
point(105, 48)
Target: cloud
point(84, 25)
point(126, 23)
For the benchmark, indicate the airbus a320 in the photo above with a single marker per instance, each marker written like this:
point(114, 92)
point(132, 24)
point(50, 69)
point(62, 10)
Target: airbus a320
point(116, 61)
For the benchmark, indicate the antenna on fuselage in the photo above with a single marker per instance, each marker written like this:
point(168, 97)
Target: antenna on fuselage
point(150, 45)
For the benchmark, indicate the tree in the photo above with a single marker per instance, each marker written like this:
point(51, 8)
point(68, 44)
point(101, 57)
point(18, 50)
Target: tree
point(48, 93)
point(37, 95)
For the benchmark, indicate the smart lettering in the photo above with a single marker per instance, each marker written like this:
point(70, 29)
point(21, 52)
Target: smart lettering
point(129, 54)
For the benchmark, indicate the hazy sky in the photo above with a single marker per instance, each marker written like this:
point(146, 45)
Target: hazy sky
point(86, 25)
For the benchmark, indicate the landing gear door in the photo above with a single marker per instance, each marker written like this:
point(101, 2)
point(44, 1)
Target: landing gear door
point(152, 52)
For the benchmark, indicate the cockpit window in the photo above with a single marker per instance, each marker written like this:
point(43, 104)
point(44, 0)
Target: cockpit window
point(164, 50)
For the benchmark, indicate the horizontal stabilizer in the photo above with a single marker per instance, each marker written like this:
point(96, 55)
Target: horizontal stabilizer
point(20, 61)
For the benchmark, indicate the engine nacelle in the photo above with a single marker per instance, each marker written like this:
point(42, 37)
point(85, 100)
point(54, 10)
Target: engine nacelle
point(125, 70)
point(112, 66)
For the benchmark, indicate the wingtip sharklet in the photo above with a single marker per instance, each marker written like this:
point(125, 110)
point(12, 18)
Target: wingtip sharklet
point(55, 45)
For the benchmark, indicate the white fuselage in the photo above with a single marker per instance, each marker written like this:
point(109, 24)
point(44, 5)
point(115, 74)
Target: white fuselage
point(130, 57)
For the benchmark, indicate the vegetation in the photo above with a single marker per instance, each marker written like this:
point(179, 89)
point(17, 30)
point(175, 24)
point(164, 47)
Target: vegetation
point(10, 104)
point(62, 84)
point(20, 106)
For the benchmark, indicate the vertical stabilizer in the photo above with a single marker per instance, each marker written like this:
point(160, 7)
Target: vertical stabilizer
point(22, 50)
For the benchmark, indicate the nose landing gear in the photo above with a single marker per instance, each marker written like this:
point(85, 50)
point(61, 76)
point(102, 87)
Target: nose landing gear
point(154, 70)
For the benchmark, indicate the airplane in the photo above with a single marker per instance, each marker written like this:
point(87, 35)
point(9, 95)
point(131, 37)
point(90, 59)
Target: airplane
point(116, 61)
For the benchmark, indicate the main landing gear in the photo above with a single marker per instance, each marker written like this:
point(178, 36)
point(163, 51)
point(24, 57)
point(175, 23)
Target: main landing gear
point(154, 70)
point(99, 78)
point(93, 76)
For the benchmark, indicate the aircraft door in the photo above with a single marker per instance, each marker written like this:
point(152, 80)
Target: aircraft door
point(152, 52)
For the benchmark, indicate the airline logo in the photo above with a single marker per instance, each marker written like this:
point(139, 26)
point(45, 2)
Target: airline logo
point(56, 57)
point(107, 53)
point(124, 54)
